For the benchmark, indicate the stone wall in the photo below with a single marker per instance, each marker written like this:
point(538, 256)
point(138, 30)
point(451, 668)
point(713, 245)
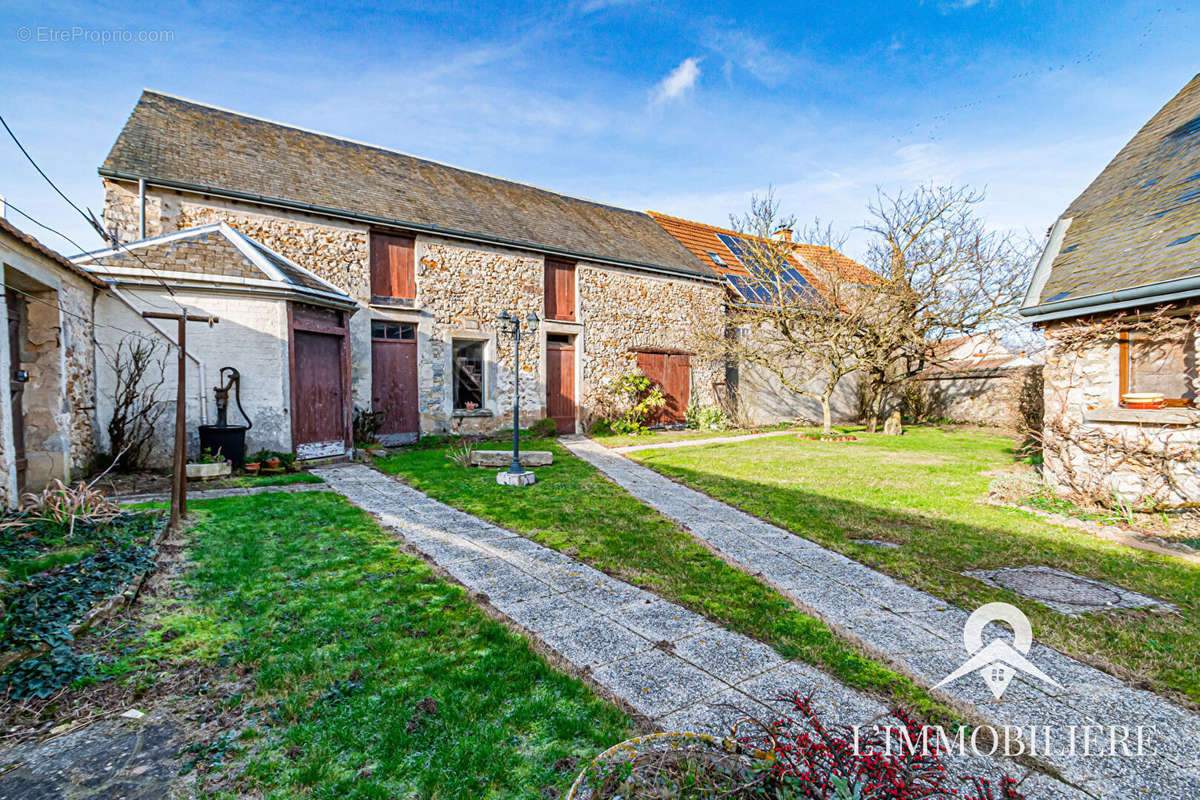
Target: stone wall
point(623, 311)
point(1087, 451)
point(1007, 398)
point(461, 289)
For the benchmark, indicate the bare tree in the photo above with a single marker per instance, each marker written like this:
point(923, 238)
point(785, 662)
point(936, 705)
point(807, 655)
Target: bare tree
point(139, 372)
point(942, 273)
point(802, 329)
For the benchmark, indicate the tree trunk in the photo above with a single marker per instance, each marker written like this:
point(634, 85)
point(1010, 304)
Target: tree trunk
point(826, 414)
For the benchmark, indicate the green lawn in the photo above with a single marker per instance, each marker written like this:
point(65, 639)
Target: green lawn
point(925, 491)
point(575, 509)
point(660, 436)
point(345, 636)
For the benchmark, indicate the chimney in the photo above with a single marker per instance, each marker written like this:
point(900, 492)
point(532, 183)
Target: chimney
point(782, 235)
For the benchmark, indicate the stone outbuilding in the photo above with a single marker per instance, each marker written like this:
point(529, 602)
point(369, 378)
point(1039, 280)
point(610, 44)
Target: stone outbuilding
point(753, 394)
point(47, 385)
point(283, 329)
point(431, 256)
point(1116, 293)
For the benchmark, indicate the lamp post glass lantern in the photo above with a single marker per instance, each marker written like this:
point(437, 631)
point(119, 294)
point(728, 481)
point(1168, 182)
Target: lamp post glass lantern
point(511, 324)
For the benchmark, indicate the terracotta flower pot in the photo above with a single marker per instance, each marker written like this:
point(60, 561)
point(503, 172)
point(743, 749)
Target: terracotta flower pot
point(252, 467)
point(272, 463)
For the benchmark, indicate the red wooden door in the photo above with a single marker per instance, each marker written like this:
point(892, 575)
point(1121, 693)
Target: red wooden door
point(560, 385)
point(672, 374)
point(677, 386)
point(560, 290)
point(318, 396)
point(394, 379)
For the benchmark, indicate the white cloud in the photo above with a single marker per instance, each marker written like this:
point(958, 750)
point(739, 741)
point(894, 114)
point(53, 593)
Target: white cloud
point(678, 82)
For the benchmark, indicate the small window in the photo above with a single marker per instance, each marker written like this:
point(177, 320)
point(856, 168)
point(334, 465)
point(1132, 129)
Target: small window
point(400, 331)
point(716, 259)
point(468, 375)
point(560, 339)
point(1160, 365)
point(392, 273)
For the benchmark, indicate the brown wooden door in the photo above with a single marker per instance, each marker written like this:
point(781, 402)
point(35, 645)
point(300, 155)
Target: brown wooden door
point(394, 379)
point(560, 385)
point(318, 401)
point(16, 387)
point(672, 373)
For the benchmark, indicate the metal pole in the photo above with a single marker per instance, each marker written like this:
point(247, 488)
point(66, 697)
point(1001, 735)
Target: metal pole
point(516, 468)
point(178, 471)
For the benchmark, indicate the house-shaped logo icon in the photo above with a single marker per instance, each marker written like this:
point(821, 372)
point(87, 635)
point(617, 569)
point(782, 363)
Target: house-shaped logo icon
point(998, 661)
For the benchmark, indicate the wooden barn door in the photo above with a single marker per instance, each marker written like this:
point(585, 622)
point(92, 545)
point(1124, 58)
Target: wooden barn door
point(560, 383)
point(320, 382)
point(672, 373)
point(394, 380)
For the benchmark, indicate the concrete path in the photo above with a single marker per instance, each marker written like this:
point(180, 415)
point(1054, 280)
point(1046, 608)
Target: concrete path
point(665, 662)
point(633, 448)
point(210, 494)
point(924, 635)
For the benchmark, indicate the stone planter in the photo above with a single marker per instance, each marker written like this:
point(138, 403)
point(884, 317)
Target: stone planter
point(205, 471)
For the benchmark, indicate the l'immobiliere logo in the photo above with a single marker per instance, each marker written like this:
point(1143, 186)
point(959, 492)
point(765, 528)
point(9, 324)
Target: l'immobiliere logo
point(997, 663)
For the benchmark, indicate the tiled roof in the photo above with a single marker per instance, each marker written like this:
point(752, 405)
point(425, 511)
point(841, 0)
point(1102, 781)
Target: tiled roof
point(182, 142)
point(215, 256)
point(1138, 223)
point(703, 240)
point(55, 256)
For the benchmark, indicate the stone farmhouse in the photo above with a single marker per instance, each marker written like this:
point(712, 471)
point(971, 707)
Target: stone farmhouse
point(754, 394)
point(426, 255)
point(47, 391)
point(1115, 292)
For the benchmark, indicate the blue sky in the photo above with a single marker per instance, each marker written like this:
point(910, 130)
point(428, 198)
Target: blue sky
point(686, 109)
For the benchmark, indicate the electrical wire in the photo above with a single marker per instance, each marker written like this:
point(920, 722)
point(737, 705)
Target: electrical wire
point(91, 322)
point(89, 218)
point(68, 239)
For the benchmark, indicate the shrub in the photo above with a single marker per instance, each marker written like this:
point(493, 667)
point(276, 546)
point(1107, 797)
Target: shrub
point(366, 425)
point(460, 452)
point(789, 759)
point(707, 418)
point(601, 427)
point(639, 398)
point(544, 428)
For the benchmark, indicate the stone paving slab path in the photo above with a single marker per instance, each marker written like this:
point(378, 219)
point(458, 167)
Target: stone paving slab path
point(924, 635)
point(665, 662)
point(744, 437)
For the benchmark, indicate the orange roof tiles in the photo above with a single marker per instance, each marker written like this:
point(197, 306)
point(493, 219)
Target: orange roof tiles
point(702, 240)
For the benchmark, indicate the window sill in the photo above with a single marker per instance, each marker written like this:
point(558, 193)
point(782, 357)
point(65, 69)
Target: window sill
point(1160, 416)
point(478, 412)
point(392, 302)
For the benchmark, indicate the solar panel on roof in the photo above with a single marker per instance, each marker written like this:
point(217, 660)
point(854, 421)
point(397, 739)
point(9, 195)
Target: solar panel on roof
point(1183, 239)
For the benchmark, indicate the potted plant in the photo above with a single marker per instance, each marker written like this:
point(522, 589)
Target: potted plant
point(251, 467)
point(209, 465)
point(272, 462)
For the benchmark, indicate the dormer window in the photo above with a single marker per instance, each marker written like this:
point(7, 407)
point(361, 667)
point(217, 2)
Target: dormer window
point(716, 259)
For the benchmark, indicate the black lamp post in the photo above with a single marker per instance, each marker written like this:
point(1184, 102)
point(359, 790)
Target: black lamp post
point(511, 324)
